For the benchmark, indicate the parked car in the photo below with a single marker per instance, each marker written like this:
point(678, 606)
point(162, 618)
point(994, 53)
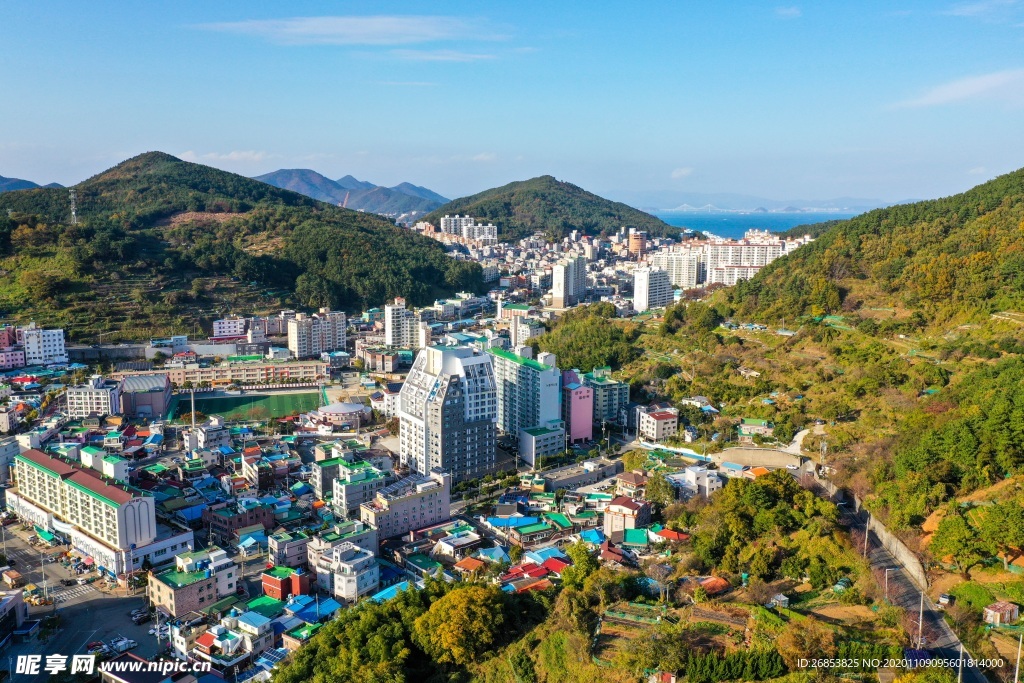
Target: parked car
point(792, 467)
point(67, 582)
point(140, 619)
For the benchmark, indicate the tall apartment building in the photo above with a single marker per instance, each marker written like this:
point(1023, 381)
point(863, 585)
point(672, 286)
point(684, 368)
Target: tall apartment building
point(417, 501)
point(522, 328)
point(311, 335)
point(404, 329)
point(637, 244)
point(651, 289)
point(528, 398)
point(686, 266)
point(577, 407)
point(569, 282)
point(485, 234)
point(230, 327)
point(447, 408)
point(98, 396)
point(42, 347)
point(9, 449)
point(454, 225)
point(609, 394)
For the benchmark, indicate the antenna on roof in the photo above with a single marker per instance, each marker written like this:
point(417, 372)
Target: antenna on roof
point(74, 206)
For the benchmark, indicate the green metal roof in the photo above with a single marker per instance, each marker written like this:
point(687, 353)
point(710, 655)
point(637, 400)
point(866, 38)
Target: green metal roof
point(533, 528)
point(559, 519)
point(176, 579)
point(528, 362)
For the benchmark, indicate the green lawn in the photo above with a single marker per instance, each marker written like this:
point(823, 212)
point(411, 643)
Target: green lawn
point(251, 406)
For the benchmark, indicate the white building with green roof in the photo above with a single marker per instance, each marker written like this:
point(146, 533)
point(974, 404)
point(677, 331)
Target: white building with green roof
point(529, 401)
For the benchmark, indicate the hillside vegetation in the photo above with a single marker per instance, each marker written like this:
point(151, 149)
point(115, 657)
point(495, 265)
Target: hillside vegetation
point(551, 206)
point(162, 245)
point(946, 258)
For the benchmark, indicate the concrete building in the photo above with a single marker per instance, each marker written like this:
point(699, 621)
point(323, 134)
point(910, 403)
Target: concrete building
point(9, 448)
point(224, 519)
point(357, 482)
point(9, 419)
point(98, 396)
point(637, 244)
point(242, 373)
point(42, 347)
point(311, 335)
point(177, 592)
point(569, 282)
point(686, 266)
point(288, 548)
point(528, 400)
point(282, 582)
point(12, 357)
point(577, 407)
point(584, 474)
point(609, 394)
point(541, 441)
point(454, 225)
point(447, 408)
point(385, 401)
point(695, 480)
point(353, 531)
point(625, 513)
point(231, 327)
point(13, 613)
point(411, 503)
point(522, 329)
point(145, 395)
point(651, 289)
point(348, 572)
point(658, 425)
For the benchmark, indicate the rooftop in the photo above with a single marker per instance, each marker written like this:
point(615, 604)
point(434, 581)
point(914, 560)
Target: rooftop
point(176, 579)
point(526, 362)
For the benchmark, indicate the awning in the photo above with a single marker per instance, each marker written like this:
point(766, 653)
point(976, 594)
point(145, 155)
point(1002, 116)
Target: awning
point(44, 534)
point(87, 561)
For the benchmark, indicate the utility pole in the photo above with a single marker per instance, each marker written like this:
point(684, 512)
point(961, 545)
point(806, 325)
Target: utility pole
point(867, 532)
point(960, 665)
point(920, 624)
point(1016, 671)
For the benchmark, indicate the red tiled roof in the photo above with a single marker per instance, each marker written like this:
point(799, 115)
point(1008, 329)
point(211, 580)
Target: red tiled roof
point(555, 565)
point(626, 502)
point(610, 552)
point(714, 585)
point(663, 415)
point(470, 564)
point(673, 535)
point(206, 640)
point(83, 476)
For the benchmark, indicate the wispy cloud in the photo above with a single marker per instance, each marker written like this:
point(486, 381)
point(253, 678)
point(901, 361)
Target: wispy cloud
point(983, 8)
point(791, 12)
point(1001, 85)
point(485, 156)
point(248, 156)
point(356, 30)
point(440, 55)
point(977, 170)
point(681, 172)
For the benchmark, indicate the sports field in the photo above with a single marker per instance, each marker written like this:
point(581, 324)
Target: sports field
point(250, 406)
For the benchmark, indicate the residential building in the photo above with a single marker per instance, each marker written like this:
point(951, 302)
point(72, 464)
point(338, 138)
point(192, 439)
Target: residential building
point(411, 503)
point(178, 592)
point(98, 396)
point(528, 400)
point(12, 357)
point(626, 513)
point(584, 474)
point(357, 482)
point(577, 407)
point(751, 427)
point(637, 244)
point(609, 394)
point(686, 266)
point(353, 531)
point(385, 401)
point(311, 335)
point(9, 448)
point(541, 441)
point(568, 282)
point(9, 419)
point(447, 408)
point(230, 327)
point(288, 548)
point(695, 480)
point(657, 425)
point(454, 225)
point(233, 644)
point(145, 395)
point(13, 613)
point(349, 572)
point(224, 519)
point(651, 289)
point(42, 347)
point(523, 328)
point(281, 582)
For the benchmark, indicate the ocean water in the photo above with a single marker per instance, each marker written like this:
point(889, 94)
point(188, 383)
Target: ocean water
point(733, 225)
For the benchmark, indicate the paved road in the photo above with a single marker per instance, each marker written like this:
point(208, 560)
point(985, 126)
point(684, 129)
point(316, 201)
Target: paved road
point(941, 640)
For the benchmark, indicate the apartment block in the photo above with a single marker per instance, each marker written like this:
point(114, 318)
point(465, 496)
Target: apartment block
point(238, 373)
point(651, 289)
point(410, 503)
point(98, 396)
point(348, 572)
point(447, 408)
point(311, 335)
point(42, 347)
point(609, 394)
point(229, 327)
point(658, 425)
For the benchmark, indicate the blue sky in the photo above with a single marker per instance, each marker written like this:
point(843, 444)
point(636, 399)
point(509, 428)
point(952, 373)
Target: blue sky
point(886, 100)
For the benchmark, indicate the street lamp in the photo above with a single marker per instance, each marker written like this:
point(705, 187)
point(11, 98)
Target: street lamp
point(887, 582)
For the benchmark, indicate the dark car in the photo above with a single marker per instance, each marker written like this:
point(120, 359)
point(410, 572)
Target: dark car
point(141, 619)
point(67, 582)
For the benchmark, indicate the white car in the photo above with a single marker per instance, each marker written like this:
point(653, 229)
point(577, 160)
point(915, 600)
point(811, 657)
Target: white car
point(792, 467)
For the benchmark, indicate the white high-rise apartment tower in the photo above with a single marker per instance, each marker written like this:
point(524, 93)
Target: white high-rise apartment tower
point(311, 335)
point(651, 289)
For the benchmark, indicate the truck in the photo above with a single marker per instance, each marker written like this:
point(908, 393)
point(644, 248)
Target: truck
point(13, 578)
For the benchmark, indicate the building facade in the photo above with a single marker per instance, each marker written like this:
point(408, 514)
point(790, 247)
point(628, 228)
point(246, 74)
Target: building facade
point(651, 289)
point(98, 396)
point(311, 335)
point(411, 503)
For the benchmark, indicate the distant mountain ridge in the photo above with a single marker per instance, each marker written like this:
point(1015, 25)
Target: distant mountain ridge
point(404, 201)
point(551, 206)
point(12, 184)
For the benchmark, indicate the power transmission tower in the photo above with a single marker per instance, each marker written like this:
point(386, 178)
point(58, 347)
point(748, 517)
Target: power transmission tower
point(74, 206)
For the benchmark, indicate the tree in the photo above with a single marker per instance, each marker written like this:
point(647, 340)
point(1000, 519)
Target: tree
point(1002, 530)
point(957, 539)
point(634, 460)
point(583, 565)
point(462, 625)
point(804, 639)
point(515, 554)
point(659, 491)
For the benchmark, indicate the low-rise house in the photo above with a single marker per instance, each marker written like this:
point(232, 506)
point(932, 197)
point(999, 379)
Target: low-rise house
point(1001, 613)
point(282, 582)
point(288, 548)
point(656, 426)
point(631, 484)
point(626, 513)
point(751, 427)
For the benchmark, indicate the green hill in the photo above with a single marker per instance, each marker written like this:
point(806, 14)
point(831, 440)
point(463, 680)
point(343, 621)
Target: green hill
point(945, 258)
point(551, 206)
point(163, 245)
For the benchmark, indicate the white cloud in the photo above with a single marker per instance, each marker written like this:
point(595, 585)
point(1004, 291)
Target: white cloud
point(977, 170)
point(485, 156)
point(791, 12)
point(355, 30)
point(440, 55)
point(248, 156)
point(984, 8)
point(681, 172)
point(1001, 85)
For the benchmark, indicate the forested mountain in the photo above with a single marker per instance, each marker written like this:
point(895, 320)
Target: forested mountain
point(959, 255)
point(162, 244)
point(521, 208)
point(404, 200)
point(11, 184)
